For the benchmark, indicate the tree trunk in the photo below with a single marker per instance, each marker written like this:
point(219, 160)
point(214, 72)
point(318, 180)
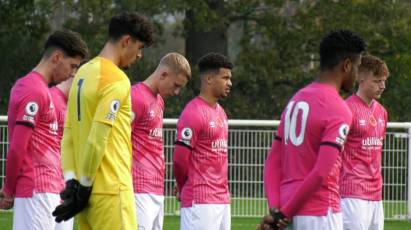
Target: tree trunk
point(199, 42)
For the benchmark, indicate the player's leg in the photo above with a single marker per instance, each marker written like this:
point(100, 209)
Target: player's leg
point(332, 221)
point(23, 213)
point(44, 204)
point(208, 216)
point(110, 212)
point(55, 200)
point(377, 220)
point(187, 218)
point(148, 209)
point(355, 214)
point(226, 220)
point(159, 220)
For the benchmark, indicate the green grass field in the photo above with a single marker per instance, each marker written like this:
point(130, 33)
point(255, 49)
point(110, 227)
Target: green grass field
point(173, 223)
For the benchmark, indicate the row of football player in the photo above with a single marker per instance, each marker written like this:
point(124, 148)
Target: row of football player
point(98, 142)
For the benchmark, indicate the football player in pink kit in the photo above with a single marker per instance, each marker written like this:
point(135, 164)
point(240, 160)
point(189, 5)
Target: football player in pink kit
point(302, 168)
point(200, 155)
point(170, 76)
point(33, 170)
point(360, 178)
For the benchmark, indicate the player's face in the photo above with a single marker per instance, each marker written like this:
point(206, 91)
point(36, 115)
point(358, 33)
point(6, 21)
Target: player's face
point(132, 51)
point(65, 68)
point(350, 79)
point(221, 83)
point(171, 84)
point(370, 85)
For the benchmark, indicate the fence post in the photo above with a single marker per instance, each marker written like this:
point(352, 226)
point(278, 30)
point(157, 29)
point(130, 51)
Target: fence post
point(409, 174)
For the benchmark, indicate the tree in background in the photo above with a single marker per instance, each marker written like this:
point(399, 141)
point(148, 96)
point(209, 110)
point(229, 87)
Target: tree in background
point(274, 43)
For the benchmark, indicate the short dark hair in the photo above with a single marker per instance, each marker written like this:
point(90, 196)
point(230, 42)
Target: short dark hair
point(133, 24)
point(339, 45)
point(68, 41)
point(213, 62)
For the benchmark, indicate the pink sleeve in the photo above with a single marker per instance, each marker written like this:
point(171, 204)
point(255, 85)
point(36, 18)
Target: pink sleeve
point(181, 160)
point(188, 127)
point(30, 106)
point(15, 157)
point(272, 174)
point(326, 159)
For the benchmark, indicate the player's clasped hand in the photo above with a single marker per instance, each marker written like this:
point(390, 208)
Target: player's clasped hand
point(75, 198)
point(6, 202)
point(275, 220)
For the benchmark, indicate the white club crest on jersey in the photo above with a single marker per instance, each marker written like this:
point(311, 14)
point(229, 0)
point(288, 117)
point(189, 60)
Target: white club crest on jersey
point(343, 132)
point(114, 106)
point(32, 108)
point(187, 133)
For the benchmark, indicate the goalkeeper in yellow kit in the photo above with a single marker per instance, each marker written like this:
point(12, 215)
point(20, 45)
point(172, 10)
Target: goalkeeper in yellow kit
point(96, 148)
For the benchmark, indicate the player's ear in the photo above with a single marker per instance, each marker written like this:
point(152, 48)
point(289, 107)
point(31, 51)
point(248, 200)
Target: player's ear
point(347, 65)
point(164, 74)
point(125, 40)
point(57, 55)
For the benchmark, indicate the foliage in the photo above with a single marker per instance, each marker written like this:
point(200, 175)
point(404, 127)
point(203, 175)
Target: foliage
point(276, 54)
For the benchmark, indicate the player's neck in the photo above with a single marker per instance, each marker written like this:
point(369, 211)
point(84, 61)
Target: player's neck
point(212, 101)
point(330, 79)
point(151, 84)
point(110, 52)
point(367, 100)
point(45, 70)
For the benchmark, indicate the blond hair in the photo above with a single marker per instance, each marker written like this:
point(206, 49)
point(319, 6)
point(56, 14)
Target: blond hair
point(176, 63)
point(375, 65)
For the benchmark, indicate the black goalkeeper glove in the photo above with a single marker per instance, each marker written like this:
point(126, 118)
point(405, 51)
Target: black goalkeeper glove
point(273, 221)
point(277, 216)
point(75, 198)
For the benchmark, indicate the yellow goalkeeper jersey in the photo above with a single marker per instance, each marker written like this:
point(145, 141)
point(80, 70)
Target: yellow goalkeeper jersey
point(100, 93)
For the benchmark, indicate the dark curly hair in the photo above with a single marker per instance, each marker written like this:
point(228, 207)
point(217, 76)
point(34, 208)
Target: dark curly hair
point(68, 41)
point(133, 24)
point(213, 62)
point(339, 45)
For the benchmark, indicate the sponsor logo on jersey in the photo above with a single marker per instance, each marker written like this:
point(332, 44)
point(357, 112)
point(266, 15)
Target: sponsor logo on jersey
point(219, 144)
point(362, 122)
point(53, 128)
point(156, 132)
point(372, 141)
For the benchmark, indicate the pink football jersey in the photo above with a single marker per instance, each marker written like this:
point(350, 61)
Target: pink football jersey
point(31, 104)
point(147, 140)
point(361, 159)
point(205, 130)
point(60, 106)
point(316, 115)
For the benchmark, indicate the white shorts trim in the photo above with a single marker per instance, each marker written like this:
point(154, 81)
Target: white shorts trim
point(149, 211)
point(332, 221)
point(206, 217)
point(359, 214)
point(34, 213)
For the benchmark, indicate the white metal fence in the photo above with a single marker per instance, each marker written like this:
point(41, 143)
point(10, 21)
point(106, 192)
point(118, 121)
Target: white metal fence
point(249, 142)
